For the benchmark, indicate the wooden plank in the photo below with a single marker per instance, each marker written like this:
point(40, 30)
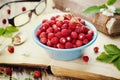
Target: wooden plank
point(78, 74)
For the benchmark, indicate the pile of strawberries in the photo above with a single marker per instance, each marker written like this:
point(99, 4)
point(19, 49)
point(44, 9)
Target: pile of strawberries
point(64, 32)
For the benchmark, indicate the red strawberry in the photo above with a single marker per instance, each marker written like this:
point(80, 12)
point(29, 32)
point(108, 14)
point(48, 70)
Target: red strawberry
point(45, 20)
point(36, 74)
point(68, 45)
point(43, 40)
point(65, 32)
point(78, 43)
point(58, 34)
point(59, 23)
point(72, 25)
point(51, 35)
point(9, 11)
point(74, 35)
point(42, 34)
point(11, 49)
point(4, 21)
point(62, 40)
point(61, 46)
point(52, 18)
point(54, 40)
point(8, 71)
point(23, 8)
point(85, 41)
point(1, 69)
point(81, 36)
point(96, 49)
point(85, 58)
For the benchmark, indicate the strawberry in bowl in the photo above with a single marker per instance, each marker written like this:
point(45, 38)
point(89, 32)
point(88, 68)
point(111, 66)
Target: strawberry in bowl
point(64, 37)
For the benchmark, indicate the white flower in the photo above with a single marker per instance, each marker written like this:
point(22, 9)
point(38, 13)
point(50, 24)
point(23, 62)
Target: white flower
point(111, 9)
point(107, 13)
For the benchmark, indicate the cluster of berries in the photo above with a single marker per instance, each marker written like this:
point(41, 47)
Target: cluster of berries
point(64, 32)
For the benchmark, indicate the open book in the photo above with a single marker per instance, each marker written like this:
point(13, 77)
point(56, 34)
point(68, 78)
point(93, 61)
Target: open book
point(30, 54)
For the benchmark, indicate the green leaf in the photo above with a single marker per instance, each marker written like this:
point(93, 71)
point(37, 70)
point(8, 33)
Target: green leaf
point(110, 2)
point(117, 63)
point(27, 79)
point(102, 6)
point(92, 9)
point(7, 34)
point(1, 31)
point(117, 10)
point(104, 57)
point(112, 49)
point(11, 29)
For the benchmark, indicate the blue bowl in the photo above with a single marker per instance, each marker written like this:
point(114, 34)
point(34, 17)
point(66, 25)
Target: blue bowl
point(66, 54)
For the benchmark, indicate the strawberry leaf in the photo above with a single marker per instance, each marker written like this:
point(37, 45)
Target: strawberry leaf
point(117, 10)
point(11, 29)
point(117, 63)
point(1, 31)
point(112, 49)
point(92, 9)
point(110, 2)
point(102, 6)
point(104, 57)
point(27, 79)
point(8, 31)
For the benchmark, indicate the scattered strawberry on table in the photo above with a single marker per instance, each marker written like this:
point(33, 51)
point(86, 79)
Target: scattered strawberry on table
point(11, 49)
point(36, 74)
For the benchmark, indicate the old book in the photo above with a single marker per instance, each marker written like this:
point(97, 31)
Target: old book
point(105, 24)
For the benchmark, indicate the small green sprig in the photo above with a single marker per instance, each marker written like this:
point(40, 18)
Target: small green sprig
point(96, 8)
point(110, 55)
point(8, 31)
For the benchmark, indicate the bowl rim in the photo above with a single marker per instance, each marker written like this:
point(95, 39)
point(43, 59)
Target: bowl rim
point(88, 24)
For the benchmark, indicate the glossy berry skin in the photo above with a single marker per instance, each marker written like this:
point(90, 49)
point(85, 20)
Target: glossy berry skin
point(8, 71)
point(81, 36)
point(78, 43)
point(68, 45)
point(54, 40)
point(60, 46)
point(51, 35)
point(96, 49)
point(74, 35)
point(11, 49)
point(8, 11)
point(43, 40)
point(85, 58)
point(65, 32)
point(62, 40)
point(36, 74)
point(4, 21)
point(23, 8)
point(85, 41)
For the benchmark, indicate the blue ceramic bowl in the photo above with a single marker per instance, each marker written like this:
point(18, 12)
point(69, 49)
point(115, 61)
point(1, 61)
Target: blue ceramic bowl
point(66, 54)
